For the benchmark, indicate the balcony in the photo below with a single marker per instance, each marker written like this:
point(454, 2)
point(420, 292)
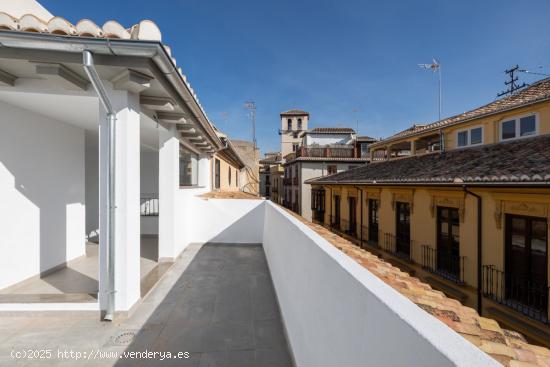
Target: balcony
point(399, 248)
point(370, 236)
point(334, 151)
point(443, 263)
point(526, 297)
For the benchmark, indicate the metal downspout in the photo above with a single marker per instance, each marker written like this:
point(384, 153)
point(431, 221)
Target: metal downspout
point(361, 208)
point(479, 248)
point(88, 62)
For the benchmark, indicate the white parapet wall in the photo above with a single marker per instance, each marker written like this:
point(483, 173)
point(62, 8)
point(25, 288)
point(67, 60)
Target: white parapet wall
point(221, 220)
point(337, 313)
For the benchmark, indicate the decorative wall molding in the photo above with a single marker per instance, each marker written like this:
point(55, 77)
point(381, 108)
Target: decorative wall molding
point(450, 201)
point(405, 196)
point(527, 208)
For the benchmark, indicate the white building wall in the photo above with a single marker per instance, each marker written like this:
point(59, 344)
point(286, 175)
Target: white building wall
point(311, 170)
point(42, 186)
point(337, 313)
point(326, 139)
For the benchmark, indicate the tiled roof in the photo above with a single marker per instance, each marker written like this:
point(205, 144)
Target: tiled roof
point(331, 130)
point(536, 92)
point(144, 30)
point(520, 161)
point(365, 138)
point(294, 113)
point(325, 159)
point(507, 347)
point(269, 160)
point(229, 195)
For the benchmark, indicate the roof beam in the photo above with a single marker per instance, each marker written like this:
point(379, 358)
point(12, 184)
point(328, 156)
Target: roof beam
point(132, 80)
point(7, 78)
point(172, 118)
point(63, 74)
point(157, 103)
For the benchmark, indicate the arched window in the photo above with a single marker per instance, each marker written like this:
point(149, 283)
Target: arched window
point(229, 176)
point(299, 124)
point(289, 124)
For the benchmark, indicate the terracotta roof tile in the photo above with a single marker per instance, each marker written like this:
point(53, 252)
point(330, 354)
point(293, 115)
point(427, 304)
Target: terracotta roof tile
point(508, 347)
point(524, 160)
point(229, 195)
point(331, 130)
point(294, 113)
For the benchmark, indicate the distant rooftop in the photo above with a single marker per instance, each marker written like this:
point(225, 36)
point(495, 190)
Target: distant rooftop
point(295, 113)
point(331, 130)
point(536, 92)
point(365, 138)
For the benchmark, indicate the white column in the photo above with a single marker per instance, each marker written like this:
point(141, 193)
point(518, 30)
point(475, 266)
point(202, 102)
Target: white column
point(168, 189)
point(127, 192)
point(204, 172)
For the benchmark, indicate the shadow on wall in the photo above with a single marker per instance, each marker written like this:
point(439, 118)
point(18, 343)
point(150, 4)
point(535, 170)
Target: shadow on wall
point(225, 221)
point(244, 229)
point(42, 185)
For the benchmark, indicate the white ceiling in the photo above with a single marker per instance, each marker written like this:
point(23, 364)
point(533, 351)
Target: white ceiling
point(81, 111)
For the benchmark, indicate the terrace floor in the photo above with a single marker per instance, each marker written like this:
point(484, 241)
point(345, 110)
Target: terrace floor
point(216, 302)
point(78, 281)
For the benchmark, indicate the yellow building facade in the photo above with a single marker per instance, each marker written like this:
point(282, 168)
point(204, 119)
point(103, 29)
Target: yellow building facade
point(472, 220)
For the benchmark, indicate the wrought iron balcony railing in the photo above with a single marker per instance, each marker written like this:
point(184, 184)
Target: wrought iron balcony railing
point(396, 246)
point(517, 292)
point(335, 222)
point(371, 236)
point(443, 263)
point(343, 151)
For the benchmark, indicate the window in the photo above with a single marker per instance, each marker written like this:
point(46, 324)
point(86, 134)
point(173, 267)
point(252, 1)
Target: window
point(217, 174)
point(289, 124)
point(519, 127)
point(352, 216)
point(229, 175)
point(331, 169)
point(189, 167)
point(295, 147)
point(448, 243)
point(299, 124)
point(364, 150)
point(373, 221)
point(237, 179)
point(472, 136)
point(526, 269)
point(403, 229)
point(336, 219)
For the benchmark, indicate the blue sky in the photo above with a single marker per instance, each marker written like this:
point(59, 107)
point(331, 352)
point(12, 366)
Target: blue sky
point(331, 57)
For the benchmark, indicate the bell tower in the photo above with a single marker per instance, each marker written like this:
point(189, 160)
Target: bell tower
point(293, 122)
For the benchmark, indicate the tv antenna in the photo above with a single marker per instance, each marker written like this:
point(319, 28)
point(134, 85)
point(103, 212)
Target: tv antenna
point(435, 66)
point(251, 106)
point(512, 82)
